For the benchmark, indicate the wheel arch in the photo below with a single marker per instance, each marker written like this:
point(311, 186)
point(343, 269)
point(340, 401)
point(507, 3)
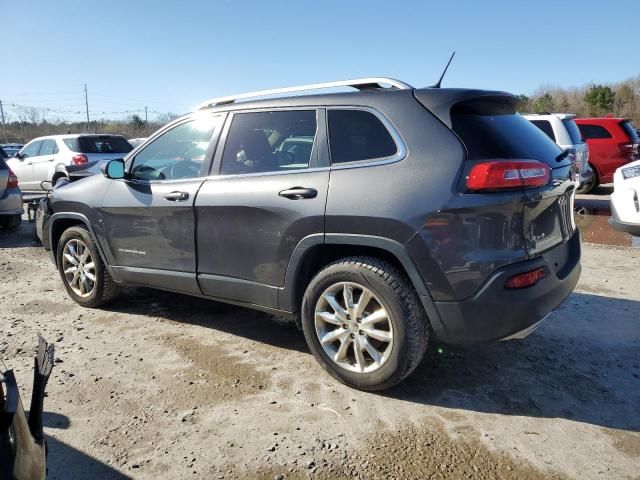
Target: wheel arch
point(315, 252)
point(62, 221)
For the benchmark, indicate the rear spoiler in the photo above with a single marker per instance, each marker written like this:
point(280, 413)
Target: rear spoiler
point(440, 101)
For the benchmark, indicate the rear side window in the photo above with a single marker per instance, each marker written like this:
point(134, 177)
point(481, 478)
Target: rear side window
point(572, 130)
point(545, 126)
point(492, 130)
point(358, 135)
point(630, 131)
point(593, 131)
point(48, 147)
point(269, 142)
point(98, 144)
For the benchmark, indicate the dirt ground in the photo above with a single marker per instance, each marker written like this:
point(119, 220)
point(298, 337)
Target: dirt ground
point(160, 385)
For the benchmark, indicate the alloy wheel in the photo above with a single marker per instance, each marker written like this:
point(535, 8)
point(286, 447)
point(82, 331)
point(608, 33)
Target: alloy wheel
point(354, 327)
point(78, 267)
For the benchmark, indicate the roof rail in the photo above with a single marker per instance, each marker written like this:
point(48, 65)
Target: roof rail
point(358, 83)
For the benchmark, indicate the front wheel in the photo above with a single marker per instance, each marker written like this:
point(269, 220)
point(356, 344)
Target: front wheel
point(81, 268)
point(363, 323)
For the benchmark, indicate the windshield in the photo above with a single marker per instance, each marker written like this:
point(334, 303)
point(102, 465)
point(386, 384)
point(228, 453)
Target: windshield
point(572, 130)
point(629, 130)
point(98, 144)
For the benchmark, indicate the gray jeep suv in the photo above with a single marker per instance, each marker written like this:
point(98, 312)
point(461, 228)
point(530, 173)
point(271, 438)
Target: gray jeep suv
point(376, 218)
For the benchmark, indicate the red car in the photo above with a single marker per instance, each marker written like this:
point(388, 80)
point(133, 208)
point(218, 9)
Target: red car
point(612, 143)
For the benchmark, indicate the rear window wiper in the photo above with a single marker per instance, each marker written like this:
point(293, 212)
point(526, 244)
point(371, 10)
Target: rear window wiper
point(562, 155)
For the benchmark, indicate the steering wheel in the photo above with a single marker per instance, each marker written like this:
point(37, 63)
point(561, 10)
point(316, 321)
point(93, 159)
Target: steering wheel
point(184, 169)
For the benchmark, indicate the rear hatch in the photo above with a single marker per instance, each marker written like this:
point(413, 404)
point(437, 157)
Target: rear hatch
point(99, 147)
point(579, 147)
point(495, 136)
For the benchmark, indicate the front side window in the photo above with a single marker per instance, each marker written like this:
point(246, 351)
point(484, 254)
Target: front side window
point(32, 149)
point(593, 131)
point(269, 142)
point(177, 153)
point(358, 135)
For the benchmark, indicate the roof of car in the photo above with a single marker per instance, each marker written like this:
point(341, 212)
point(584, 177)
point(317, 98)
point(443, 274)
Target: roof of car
point(75, 135)
point(600, 119)
point(561, 116)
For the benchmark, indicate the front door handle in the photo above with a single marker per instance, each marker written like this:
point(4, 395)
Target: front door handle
point(51, 159)
point(298, 193)
point(177, 196)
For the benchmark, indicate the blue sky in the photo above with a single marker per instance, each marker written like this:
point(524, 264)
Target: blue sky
point(171, 55)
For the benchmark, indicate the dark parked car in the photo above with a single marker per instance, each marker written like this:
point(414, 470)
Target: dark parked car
point(415, 211)
point(10, 196)
point(11, 148)
point(23, 449)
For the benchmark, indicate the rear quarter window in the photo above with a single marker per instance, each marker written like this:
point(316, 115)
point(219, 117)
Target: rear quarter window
point(589, 131)
point(356, 135)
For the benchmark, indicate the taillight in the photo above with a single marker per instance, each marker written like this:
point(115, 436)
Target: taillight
point(526, 279)
point(498, 175)
point(13, 180)
point(80, 158)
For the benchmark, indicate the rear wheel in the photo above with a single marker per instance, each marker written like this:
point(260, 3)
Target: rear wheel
point(81, 268)
point(10, 222)
point(363, 322)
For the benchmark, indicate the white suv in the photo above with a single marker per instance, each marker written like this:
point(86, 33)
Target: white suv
point(47, 158)
point(562, 129)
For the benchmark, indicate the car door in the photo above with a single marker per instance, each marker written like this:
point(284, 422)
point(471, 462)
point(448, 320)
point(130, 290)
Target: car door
point(148, 217)
point(43, 164)
point(22, 164)
point(268, 194)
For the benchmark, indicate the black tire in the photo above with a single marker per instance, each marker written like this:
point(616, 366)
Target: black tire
point(395, 294)
point(10, 222)
point(105, 289)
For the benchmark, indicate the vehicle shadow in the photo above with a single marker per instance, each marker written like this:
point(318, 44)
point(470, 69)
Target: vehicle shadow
point(239, 321)
point(23, 236)
point(583, 365)
point(64, 462)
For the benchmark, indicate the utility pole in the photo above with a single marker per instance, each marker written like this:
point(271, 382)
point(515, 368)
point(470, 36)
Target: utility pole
point(86, 104)
point(146, 120)
point(4, 127)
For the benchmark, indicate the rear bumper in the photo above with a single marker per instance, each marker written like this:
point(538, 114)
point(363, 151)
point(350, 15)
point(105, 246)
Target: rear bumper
point(496, 313)
point(11, 202)
point(627, 227)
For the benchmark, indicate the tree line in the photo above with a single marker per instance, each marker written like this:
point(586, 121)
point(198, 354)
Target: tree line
point(620, 99)
point(31, 124)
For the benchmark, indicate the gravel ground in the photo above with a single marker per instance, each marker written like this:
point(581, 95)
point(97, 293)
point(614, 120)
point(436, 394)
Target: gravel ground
point(160, 385)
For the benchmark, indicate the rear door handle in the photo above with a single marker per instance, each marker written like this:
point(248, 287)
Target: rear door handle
point(177, 196)
point(298, 193)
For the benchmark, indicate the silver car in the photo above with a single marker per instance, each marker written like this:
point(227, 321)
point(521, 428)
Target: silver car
point(47, 158)
point(10, 196)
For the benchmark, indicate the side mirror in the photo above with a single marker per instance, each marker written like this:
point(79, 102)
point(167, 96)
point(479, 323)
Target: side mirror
point(114, 169)
point(19, 156)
